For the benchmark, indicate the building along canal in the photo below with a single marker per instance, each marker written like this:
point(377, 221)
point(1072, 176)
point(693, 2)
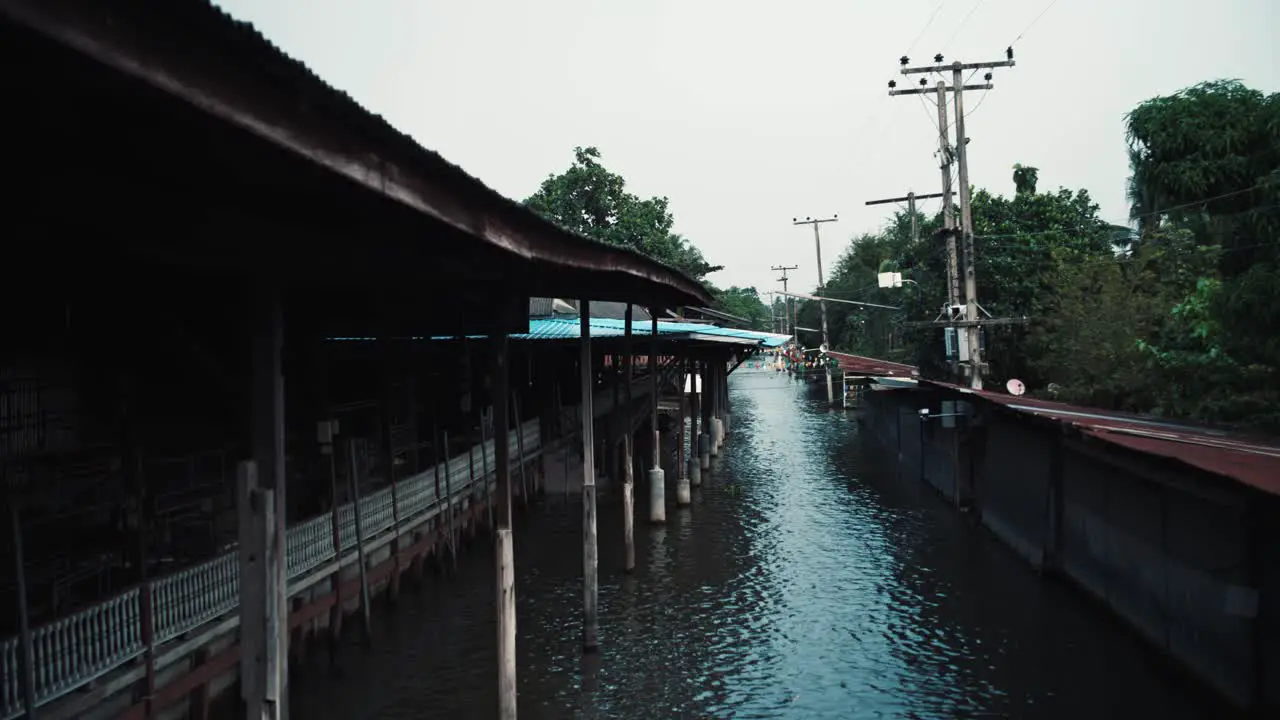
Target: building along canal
point(807, 579)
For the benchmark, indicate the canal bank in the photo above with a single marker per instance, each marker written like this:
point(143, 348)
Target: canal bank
point(810, 577)
point(1163, 526)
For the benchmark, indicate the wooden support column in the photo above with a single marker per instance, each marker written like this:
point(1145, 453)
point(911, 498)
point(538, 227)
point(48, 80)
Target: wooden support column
point(695, 462)
point(519, 430)
point(387, 458)
point(448, 504)
point(262, 658)
point(705, 403)
point(326, 468)
point(657, 478)
point(326, 435)
point(504, 547)
point(628, 446)
point(268, 474)
point(590, 561)
point(353, 480)
point(717, 374)
point(684, 495)
point(487, 434)
point(28, 657)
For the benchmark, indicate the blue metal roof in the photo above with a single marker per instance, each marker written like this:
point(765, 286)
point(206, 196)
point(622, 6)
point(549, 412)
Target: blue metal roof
point(569, 328)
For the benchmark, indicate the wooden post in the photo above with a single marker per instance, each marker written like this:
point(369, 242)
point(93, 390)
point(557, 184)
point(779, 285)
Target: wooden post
point(714, 367)
point(353, 480)
point(147, 626)
point(261, 656)
point(387, 457)
point(683, 479)
point(695, 460)
point(657, 479)
point(28, 676)
point(590, 562)
point(485, 437)
point(504, 555)
point(628, 447)
point(326, 431)
point(524, 485)
point(448, 500)
point(706, 401)
point(267, 424)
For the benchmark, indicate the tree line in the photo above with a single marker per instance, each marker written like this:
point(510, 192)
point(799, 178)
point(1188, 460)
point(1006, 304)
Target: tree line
point(1175, 314)
point(1174, 311)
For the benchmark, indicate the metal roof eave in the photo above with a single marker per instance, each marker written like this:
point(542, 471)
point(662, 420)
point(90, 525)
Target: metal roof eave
point(200, 54)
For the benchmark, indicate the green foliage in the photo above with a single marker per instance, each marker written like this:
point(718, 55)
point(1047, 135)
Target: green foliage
point(1206, 161)
point(592, 201)
point(1024, 178)
point(745, 303)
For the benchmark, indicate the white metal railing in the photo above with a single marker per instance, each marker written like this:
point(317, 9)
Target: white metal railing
point(81, 647)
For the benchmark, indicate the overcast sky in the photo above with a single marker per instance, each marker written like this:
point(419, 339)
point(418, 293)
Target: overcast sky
point(746, 114)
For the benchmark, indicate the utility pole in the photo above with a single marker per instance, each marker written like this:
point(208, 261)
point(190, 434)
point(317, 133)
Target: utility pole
point(972, 323)
point(910, 199)
point(788, 321)
point(822, 288)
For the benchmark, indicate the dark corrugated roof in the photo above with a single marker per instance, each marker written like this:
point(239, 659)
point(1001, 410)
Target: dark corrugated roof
point(193, 50)
point(872, 366)
point(1255, 463)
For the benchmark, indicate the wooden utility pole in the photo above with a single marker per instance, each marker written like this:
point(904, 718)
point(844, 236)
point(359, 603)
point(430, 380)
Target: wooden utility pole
point(822, 289)
point(945, 155)
point(910, 199)
point(788, 321)
point(972, 323)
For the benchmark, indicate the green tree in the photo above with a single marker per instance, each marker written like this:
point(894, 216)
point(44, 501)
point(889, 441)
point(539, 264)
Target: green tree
point(1093, 340)
point(746, 304)
point(1206, 160)
point(592, 201)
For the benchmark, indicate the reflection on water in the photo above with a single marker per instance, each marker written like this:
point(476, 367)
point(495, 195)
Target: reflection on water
point(806, 581)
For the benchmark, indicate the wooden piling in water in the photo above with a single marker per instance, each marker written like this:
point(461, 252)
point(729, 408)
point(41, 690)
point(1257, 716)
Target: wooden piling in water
point(261, 650)
point(628, 447)
point(590, 560)
point(504, 554)
point(657, 479)
point(695, 461)
point(353, 479)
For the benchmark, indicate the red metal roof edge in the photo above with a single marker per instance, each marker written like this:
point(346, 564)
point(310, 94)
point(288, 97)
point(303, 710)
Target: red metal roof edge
point(1252, 463)
point(873, 366)
point(262, 89)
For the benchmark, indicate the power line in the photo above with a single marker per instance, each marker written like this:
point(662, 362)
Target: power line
point(1155, 213)
point(1033, 22)
point(954, 35)
point(926, 27)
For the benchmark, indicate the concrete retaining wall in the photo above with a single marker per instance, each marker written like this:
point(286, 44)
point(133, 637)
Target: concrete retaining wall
point(1185, 558)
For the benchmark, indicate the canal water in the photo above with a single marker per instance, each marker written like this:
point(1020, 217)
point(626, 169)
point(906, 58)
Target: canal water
point(806, 581)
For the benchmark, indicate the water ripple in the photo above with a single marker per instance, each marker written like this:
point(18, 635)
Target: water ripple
point(806, 581)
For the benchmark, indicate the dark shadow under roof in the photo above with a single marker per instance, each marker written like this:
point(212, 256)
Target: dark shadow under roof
point(194, 52)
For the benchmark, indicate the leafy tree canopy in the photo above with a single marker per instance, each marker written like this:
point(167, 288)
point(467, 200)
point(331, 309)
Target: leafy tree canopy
point(744, 302)
point(592, 201)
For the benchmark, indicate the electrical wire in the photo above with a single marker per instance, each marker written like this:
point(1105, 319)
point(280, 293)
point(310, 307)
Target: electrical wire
point(954, 35)
point(1034, 20)
point(928, 22)
point(1155, 213)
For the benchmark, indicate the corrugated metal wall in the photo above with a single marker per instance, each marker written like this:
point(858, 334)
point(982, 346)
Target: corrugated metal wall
point(1013, 486)
point(1170, 558)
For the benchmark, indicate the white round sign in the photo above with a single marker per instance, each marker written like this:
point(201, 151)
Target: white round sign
point(1015, 386)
